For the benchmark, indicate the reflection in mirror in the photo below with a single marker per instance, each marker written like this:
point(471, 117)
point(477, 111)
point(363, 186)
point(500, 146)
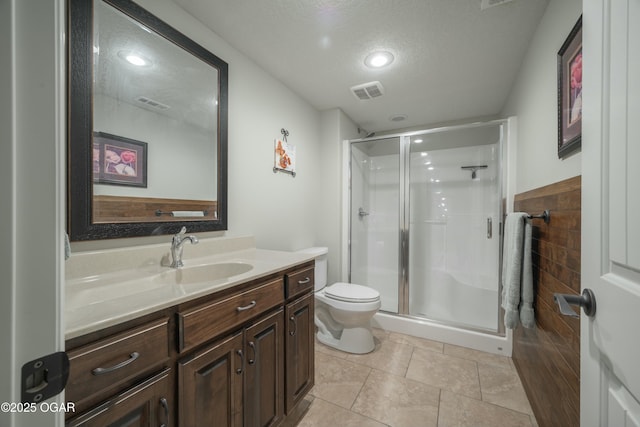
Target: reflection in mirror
point(147, 134)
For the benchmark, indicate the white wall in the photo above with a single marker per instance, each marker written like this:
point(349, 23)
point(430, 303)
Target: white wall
point(533, 99)
point(282, 212)
point(180, 155)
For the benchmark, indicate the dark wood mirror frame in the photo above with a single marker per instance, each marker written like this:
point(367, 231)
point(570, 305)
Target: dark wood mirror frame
point(80, 224)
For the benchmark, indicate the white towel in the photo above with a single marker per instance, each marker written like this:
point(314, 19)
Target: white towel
point(187, 213)
point(517, 278)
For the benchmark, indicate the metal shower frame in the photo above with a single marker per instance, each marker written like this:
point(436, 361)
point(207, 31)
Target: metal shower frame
point(404, 211)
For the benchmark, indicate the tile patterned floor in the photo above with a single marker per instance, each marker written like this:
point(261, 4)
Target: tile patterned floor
point(413, 382)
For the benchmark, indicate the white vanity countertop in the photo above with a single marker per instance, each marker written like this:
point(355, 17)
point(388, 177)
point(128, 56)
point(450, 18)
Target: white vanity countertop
point(99, 301)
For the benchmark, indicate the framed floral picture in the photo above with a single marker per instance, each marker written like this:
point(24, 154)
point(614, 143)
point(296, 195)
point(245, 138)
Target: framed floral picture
point(119, 161)
point(570, 93)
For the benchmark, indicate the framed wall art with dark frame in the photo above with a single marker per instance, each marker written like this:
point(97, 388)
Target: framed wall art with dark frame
point(119, 161)
point(570, 93)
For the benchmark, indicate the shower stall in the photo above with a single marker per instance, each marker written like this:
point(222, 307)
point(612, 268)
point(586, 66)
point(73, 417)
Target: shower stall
point(425, 210)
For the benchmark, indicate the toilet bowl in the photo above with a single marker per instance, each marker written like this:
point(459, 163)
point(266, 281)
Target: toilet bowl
point(343, 311)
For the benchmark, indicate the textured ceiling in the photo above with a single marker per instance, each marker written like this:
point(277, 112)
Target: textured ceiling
point(452, 60)
point(184, 85)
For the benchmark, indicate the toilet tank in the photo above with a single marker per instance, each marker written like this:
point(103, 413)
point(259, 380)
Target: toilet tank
point(320, 273)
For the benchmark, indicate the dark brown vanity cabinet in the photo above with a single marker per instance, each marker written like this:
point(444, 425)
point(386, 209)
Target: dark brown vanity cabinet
point(143, 405)
point(236, 381)
point(264, 371)
point(241, 357)
point(123, 379)
point(210, 385)
point(300, 336)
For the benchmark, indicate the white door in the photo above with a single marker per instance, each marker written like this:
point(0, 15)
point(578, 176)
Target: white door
point(610, 341)
point(32, 129)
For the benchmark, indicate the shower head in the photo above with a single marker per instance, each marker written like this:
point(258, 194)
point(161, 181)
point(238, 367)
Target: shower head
point(474, 169)
point(367, 134)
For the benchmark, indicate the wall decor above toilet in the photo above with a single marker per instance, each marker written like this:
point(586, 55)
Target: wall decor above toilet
point(284, 155)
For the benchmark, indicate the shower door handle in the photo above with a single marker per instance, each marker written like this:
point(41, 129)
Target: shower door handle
point(489, 227)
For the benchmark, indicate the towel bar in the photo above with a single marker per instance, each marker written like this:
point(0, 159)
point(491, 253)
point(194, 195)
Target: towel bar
point(546, 216)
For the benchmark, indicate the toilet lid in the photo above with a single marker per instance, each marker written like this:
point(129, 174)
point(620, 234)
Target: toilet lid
point(350, 292)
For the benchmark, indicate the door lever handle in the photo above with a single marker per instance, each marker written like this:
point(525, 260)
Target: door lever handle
point(587, 301)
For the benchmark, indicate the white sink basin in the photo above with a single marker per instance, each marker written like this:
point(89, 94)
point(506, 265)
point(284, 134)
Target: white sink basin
point(203, 273)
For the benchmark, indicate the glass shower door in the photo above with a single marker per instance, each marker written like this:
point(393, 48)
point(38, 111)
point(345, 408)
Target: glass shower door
point(374, 218)
point(454, 217)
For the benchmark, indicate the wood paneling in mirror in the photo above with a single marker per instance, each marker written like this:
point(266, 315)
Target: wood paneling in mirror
point(114, 209)
point(547, 357)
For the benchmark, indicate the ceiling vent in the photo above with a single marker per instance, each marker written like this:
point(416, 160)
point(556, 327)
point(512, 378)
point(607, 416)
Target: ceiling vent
point(151, 103)
point(368, 90)
point(486, 4)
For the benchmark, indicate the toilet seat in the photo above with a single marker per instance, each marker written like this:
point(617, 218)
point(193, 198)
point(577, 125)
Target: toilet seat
point(349, 292)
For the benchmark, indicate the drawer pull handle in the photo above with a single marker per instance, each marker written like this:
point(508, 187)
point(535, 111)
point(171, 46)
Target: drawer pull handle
point(304, 281)
point(246, 307)
point(132, 357)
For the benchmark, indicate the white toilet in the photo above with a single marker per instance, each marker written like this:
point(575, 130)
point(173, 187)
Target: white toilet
point(343, 311)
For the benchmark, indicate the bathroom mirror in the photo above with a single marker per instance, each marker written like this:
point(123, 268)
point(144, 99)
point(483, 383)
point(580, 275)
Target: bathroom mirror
point(147, 110)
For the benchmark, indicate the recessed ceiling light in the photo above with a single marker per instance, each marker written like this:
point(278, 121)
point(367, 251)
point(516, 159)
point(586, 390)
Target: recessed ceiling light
point(134, 58)
point(418, 141)
point(378, 59)
point(398, 117)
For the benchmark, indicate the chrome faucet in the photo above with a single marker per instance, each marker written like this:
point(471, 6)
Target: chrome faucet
point(176, 247)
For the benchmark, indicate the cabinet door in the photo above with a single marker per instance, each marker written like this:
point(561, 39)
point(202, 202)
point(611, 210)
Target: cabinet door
point(264, 373)
point(145, 405)
point(299, 367)
point(210, 385)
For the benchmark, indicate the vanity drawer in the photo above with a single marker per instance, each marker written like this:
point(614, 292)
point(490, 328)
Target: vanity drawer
point(100, 367)
point(200, 324)
point(299, 282)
